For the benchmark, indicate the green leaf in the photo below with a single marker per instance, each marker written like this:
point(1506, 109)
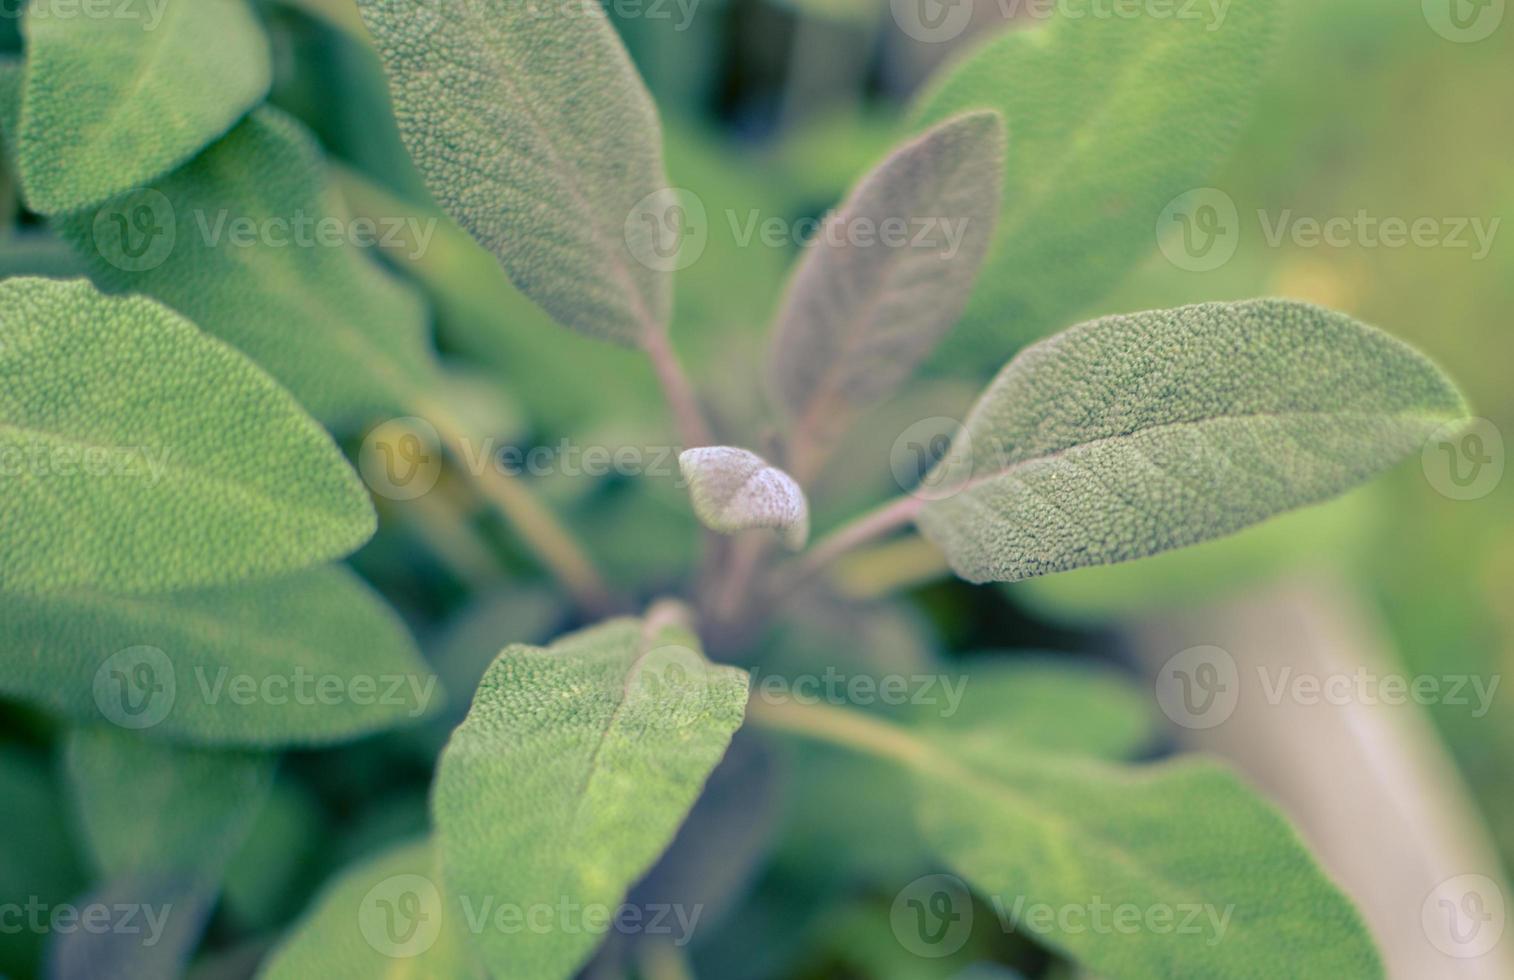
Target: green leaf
point(1110, 119)
point(1215, 882)
point(1132, 435)
point(37, 859)
point(308, 659)
point(572, 773)
point(888, 276)
point(235, 242)
point(385, 917)
point(735, 490)
point(190, 809)
point(533, 130)
point(140, 453)
point(114, 102)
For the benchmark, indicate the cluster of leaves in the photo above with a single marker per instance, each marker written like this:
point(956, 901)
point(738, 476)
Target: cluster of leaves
point(219, 379)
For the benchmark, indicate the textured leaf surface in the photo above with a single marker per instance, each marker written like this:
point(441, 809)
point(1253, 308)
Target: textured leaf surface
point(736, 490)
point(113, 102)
point(143, 453)
point(572, 773)
point(365, 925)
point(863, 309)
point(147, 805)
point(1110, 118)
point(234, 241)
point(1132, 435)
point(306, 659)
point(533, 130)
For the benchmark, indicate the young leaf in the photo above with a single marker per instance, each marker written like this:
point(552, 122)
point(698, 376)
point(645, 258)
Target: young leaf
point(736, 490)
point(308, 659)
point(572, 773)
point(385, 917)
point(533, 130)
point(240, 241)
point(114, 102)
point(888, 277)
point(143, 447)
point(1132, 435)
point(1109, 122)
point(191, 808)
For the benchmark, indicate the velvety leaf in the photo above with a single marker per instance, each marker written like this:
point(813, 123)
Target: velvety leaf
point(735, 490)
point(1132, 435)
point(141, 453)
point(114, 102)
point(307, 659)
point(249, 243)
point(888, 276)
point(572, 773)
point(1110, 119)
point(385, 917)
point(148, 805)
point(533, 130)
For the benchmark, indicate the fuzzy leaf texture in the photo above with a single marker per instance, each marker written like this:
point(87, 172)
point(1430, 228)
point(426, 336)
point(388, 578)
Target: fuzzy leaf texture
point(114, 102)
point(1132, 435)
point(735, 490)
point(239, 666)
point(862, 312)
point(341, 333)
point(533, 130)
point(111, 489)
point(1110, 119)
point(573, 771)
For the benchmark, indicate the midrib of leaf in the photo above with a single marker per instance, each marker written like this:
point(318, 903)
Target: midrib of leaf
point(232, 488)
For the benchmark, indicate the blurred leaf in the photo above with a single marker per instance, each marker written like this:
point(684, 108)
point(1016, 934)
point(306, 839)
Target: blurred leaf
point(156, 918)
point(533, 130)
point(574, 769)
point(37, 860)
point(735, 490)
point(307, 659)
point(117, 494)
point(114, 102)
point(861, 313)
point(1133, 435)
point(263, 884)
point(247, 242)
point(1110, 118)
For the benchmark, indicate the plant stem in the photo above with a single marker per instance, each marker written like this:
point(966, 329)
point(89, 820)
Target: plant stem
point(538, 528)
point(874, 524)
point(682, 400)
point(846, 728)
point(883, 569)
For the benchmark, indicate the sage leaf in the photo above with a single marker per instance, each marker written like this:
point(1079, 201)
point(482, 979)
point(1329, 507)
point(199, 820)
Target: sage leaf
point(889, 275)
point(533, 130)
point(735, 490)
point(1108, 125)
point(1132, 435)
point(114, 102)
point(242, 242)
point(573, 771)
point(308, 659)
point(114, 490)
